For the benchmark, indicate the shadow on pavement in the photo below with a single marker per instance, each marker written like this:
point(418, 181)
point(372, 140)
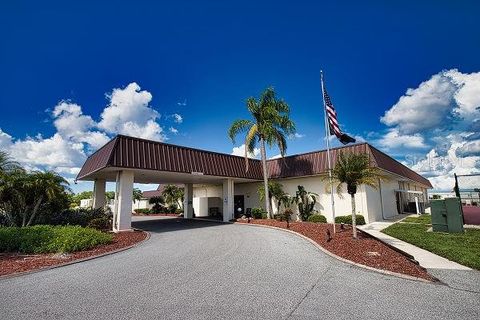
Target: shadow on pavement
point(174, 224)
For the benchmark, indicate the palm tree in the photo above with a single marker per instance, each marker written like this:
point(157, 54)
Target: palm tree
point(354, 170)
point(7, 163)
point(271, 124)
point(45, 186)
point(137, 195)
point(275, 190)
point(173, 195)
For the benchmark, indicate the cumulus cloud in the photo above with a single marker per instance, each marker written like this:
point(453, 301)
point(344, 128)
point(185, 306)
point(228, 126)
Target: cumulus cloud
point(173, 130)
point(129, 112)
point(71, 123)
point(470, 148)
point(48, 153)
point(394, 140)
point(441, 115)
point(240, 151)
point(5, 140)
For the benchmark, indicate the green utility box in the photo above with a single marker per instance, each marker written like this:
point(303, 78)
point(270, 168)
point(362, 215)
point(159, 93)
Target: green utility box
point(447, 215)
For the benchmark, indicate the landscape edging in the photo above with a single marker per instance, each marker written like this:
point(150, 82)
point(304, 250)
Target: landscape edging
point(390, 273)
point(19, 274)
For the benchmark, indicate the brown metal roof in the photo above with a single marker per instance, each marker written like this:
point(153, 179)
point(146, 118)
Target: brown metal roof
point(135, 153)
point(307, 164)
point(387, 163)
point(314, 163)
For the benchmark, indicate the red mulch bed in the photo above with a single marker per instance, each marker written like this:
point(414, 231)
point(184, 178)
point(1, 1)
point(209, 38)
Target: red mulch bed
point(11, 263)
point(365, 250)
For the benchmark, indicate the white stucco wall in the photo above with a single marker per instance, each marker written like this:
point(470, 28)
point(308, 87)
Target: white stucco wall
point(367, 200)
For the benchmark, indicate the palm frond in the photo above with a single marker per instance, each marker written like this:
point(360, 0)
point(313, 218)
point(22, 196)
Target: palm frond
point(237, 127)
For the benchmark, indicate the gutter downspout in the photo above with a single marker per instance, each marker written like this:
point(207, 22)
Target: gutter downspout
point(381, 197)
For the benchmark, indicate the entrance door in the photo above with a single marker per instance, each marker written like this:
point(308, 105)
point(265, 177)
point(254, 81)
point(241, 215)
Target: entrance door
point(239, 206)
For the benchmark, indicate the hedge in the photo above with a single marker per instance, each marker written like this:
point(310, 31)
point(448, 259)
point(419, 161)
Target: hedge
point(348, 219)
point(50, 239)
point(317, 218)
point(143, 211)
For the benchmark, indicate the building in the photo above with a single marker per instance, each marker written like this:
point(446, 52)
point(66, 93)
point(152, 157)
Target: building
point(217, 182)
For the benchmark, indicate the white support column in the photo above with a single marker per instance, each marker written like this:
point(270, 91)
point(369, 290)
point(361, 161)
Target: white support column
point(123, 202)
point(188, 201)
point(228, 192)
point(99, 193)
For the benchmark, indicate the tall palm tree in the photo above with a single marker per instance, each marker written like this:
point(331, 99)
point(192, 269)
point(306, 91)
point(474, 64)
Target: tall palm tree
point(6, 162)
point(354, 170)
point(271, 125)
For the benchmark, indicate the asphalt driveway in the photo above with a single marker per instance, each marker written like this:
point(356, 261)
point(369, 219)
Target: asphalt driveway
point(207, 270)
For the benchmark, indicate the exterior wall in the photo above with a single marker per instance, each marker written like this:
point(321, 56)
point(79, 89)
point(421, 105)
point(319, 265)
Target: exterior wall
point(323, 206)
point(214, 194)
point(141, 204)
point(386, 202)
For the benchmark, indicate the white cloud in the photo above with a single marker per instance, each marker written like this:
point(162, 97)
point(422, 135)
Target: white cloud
point(240, 151)
point(424, 107)
point(441, 115)
point(177, 118)
point(51, 153)
point(277, 156)
point(129, 113)
point(173, 130)
point(470, 148)
point(77, 134)
point(5, 140)
point(394, 140)
point(440, 168)
point(71, 123)
point(296, 135)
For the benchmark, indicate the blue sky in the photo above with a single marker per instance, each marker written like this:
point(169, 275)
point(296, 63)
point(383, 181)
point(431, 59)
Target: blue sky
point(74, 74)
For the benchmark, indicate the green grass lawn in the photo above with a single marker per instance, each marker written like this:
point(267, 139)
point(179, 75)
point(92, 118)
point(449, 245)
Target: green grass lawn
point(462, 248)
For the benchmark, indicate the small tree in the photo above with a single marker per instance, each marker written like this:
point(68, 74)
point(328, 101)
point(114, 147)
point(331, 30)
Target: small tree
point(158, 203)
point(137, 195)
point(275, 190)
point(354, 170)
point(173, 195)
point(306, 202)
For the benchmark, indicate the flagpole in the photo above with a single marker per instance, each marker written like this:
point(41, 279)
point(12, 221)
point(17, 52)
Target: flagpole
point(329, 161)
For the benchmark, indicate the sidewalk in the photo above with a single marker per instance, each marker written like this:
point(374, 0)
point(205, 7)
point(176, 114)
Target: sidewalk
point(425, 258)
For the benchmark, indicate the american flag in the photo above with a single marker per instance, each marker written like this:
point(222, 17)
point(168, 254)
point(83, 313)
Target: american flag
point(334, 128)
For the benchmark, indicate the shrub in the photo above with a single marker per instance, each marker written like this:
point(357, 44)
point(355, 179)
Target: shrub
point(49, 239)
point(259, 213)
point(172, 208)
point(143, 211)
point(348, 219)
point(317, 218)
point(79, 217)
point(102, 223)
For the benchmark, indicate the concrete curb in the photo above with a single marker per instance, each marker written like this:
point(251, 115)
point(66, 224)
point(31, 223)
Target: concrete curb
point(386, 272)
point(24, 273)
